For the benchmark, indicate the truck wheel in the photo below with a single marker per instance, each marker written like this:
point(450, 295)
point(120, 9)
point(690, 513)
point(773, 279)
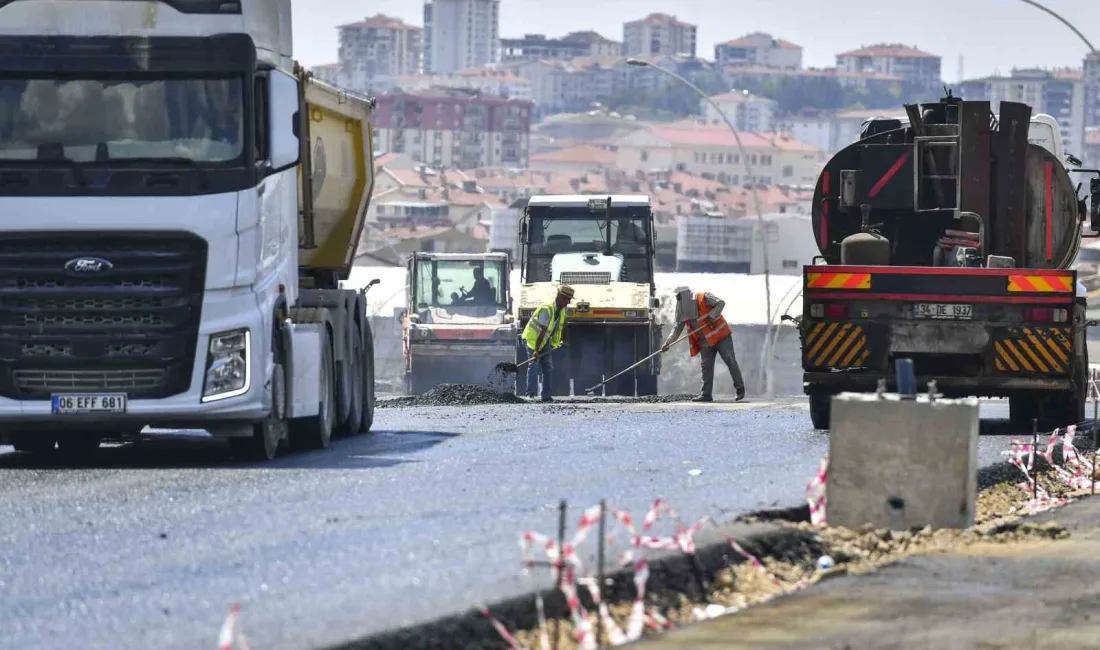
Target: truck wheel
point(356, 391)
point(1022, 410)
point(263, 444)
point(315, 432)
point(821, 408)
point(647, 384)
point(368, 380)
point(77, 447)
point(34, 442)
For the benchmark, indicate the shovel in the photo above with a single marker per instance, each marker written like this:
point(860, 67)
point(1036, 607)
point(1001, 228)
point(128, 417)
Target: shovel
point(508, 366)
point(623, 372)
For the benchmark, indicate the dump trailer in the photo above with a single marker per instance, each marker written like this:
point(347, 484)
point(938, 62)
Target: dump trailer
point(459, 325)
point(603, 248)
point(183, 203)
point(947, 241)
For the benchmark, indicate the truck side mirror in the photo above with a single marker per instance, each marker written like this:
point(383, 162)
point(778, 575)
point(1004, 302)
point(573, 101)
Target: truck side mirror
point(1094, 204)
point(284, 93)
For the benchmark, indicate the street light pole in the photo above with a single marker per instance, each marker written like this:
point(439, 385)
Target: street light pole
point(1062, 20)
point(767, 365)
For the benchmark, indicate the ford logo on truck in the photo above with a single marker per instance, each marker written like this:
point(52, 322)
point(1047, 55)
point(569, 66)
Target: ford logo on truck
point(87, 265)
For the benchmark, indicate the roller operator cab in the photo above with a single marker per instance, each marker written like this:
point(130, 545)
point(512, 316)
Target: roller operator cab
point(182, 203)
point(604, 248)
point(947, 240)
point(459, 325)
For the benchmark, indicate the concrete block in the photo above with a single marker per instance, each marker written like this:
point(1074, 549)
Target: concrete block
point(902, 464)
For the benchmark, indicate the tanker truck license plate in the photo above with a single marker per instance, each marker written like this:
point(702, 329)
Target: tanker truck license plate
point(945, 311)
point(109, 403)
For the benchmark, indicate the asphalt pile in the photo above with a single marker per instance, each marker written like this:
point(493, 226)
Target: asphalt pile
point(453, 395)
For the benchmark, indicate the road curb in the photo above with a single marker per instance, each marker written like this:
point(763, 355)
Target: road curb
point(671, 574)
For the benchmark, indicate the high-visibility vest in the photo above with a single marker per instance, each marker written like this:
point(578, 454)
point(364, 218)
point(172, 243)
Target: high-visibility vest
point(711, 330)
point(556, 326)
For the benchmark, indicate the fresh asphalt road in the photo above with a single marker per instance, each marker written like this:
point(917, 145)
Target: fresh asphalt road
point(150, 545)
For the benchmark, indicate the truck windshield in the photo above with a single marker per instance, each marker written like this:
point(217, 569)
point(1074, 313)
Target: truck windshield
point(85, 120)
point(459, 283)
point(576, 230)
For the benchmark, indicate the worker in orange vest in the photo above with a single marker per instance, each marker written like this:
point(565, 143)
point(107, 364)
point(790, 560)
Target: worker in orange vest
point(711, 336)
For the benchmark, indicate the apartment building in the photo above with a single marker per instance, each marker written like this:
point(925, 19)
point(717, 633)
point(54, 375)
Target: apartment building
point(1059, 93)
point(712, 150)
point(659, 34)
point(374, 51)
point(460, 34)
point(747, 111)
point(599, 46)
point(537, 47)
point(908, 63)
point(1092, 89)
point(759, 49)
point(455, 130)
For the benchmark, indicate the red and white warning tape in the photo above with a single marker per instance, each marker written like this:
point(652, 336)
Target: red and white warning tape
point(815, 493)
point(230, 636)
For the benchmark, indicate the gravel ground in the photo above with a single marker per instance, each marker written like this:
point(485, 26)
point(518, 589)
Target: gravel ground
point(150, 545)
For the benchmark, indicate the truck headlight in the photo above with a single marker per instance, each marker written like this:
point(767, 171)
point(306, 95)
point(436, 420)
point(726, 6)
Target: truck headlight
point(227, 371)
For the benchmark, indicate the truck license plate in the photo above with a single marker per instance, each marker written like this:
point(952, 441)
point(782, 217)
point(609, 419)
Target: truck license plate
point(945, 311)
point(84, 403)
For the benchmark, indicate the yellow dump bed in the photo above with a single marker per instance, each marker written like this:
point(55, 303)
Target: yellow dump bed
point(336, 177)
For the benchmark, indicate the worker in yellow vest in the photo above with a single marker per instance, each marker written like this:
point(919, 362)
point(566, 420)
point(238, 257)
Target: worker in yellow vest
point(711, 336)
point(543, 333)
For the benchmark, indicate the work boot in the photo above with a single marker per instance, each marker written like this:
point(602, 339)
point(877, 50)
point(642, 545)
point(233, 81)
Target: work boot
point(547, 399)
point(703, 398)
point(740, 395)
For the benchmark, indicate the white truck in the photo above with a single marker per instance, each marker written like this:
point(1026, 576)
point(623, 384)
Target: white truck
point(181, 204)
point(459, 324)
point(604, 248)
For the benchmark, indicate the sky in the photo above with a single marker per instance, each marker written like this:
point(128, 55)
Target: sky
point(992, 36)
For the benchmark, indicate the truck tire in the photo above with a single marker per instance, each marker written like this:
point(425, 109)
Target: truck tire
point(622, 357)
point(75, 448)
point(647, 384)
point(263, 444)
point(821, 408)
point(315, 432)
point(39, 443)
point(367, 420)
point(1022, 411)
point(356, 392)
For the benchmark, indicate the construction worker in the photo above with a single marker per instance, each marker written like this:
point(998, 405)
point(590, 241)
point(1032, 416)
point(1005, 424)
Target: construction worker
point(543, 333)
point(710, 336)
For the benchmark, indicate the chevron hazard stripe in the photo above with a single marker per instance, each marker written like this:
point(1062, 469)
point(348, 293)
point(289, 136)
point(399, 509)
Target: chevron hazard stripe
point(838, 280)
point(1040, 283)
point(835, 345)
point(1031, 350)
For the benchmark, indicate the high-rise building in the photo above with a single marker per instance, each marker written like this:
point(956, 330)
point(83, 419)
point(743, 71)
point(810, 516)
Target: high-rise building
point(1058, 93)
point(376, 50)
point(1092, 90)
point(460, 34)
point(658, 34)
point(759, 49)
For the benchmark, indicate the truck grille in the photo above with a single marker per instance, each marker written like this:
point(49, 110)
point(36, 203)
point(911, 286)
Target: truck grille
point(585, 277)
point(131, 328)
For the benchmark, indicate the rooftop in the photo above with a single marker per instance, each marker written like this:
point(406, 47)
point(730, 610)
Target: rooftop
point(380, 21)
point(740, 96)
point(753, 39)
point(581, 154)
point(691, 133)
point(896, 50)
point(658, 18)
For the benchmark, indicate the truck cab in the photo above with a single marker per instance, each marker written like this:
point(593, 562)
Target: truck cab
point(604, 248)
point(459, 324)
point(161, 265)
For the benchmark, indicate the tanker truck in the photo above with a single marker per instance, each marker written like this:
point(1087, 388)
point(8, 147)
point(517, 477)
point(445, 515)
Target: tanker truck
point(181, 204)
point(947, 239)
